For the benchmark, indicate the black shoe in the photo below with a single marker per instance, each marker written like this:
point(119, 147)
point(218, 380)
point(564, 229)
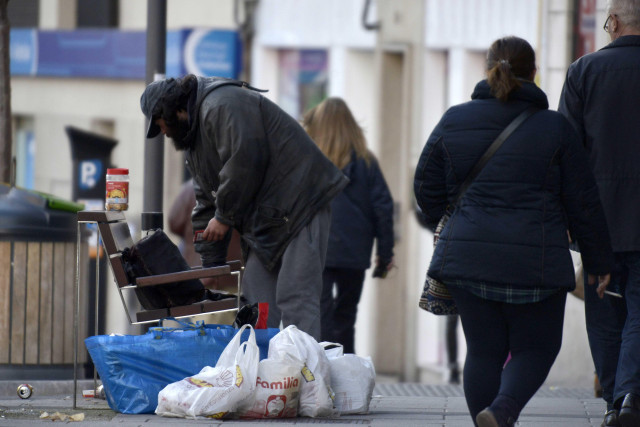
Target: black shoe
point(217, 295)
point(486, 418)
point(630, 411)
point(610, 419)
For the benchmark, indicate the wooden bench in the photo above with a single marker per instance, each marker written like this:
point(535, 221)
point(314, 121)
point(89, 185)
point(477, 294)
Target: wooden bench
point(115, 235)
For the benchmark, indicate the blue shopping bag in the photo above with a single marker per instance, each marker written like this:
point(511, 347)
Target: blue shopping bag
point(134, 368)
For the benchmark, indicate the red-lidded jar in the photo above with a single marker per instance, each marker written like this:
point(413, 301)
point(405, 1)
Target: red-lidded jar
point(117, 198)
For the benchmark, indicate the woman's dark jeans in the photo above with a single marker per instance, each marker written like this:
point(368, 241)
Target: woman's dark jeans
point(605, 320)
point(613, 328)
point(532, 333)
point(339, 313)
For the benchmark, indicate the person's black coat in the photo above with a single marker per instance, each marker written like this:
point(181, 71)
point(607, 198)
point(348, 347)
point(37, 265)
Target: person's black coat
point(601, 98)
point(255, 169)
point(361, 212)
point(511, 226)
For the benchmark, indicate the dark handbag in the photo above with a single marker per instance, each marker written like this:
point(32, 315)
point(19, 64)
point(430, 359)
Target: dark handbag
point(435, 296)
point(157, 254)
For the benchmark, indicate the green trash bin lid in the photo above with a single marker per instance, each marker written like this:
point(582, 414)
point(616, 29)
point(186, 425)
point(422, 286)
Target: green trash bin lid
point(55, 202)
point(36, 216)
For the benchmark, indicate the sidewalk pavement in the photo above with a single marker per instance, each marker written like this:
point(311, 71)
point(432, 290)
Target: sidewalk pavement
point(393, 404)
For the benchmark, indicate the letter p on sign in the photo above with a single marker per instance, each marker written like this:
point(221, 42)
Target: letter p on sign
point(89, 171)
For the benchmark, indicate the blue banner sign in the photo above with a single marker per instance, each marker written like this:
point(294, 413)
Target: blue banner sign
point(91, 53)
point(23, 51)
point(208, 53)
point(121, 54)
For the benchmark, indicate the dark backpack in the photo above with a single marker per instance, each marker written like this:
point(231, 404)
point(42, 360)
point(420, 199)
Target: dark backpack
point(157, 254)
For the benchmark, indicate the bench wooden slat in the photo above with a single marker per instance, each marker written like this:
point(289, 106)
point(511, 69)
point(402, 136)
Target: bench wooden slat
point(151, 315)
point(186, 310)
point(198, 273)
point(116, 236)
point(117, 268)
point(221, 282)
point(224, 304)
point(235, 265)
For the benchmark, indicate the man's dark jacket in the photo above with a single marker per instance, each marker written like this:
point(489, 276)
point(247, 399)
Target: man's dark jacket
point(256, 168)
point(601, 98)
point(511, 226)
point(362, 212)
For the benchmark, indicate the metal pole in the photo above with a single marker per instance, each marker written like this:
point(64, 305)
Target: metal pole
point(76, 314)
point(97, 306)
point(5, 95)
point(155, 70)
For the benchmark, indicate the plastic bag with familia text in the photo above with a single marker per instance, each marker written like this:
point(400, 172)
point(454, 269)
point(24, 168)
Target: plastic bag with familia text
point(316, 395)
point(215, 392)
point(277, 393)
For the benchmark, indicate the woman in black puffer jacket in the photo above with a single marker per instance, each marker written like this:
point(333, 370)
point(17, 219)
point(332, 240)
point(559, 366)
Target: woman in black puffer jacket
point(362, 212)
point(504, 253)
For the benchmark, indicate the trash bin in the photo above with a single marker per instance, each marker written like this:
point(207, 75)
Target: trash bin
point(37, 285)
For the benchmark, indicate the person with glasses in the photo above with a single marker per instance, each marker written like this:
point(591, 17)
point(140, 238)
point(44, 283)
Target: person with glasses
point(605, 27)
point(601, 98)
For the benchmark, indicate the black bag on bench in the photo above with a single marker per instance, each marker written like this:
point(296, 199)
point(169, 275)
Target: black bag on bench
point(157, 254)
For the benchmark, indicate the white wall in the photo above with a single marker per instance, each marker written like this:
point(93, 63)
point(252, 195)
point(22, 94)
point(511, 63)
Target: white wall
point(311, 23)
point(180, 14)
point(474, 24)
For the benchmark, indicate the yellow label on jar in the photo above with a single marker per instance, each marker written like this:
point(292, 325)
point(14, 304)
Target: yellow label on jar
point(117, 196)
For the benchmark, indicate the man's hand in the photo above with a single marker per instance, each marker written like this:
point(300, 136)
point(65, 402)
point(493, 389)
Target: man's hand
point(603, 282)
point(215, 230)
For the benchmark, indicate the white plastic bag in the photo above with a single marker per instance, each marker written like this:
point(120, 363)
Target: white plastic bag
point(215, 392)
point(332, 349)
point(352, 380)
point(316, 395)
point(277, 393)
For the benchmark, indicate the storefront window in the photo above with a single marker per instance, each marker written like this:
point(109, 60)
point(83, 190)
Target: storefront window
point(303, 80)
